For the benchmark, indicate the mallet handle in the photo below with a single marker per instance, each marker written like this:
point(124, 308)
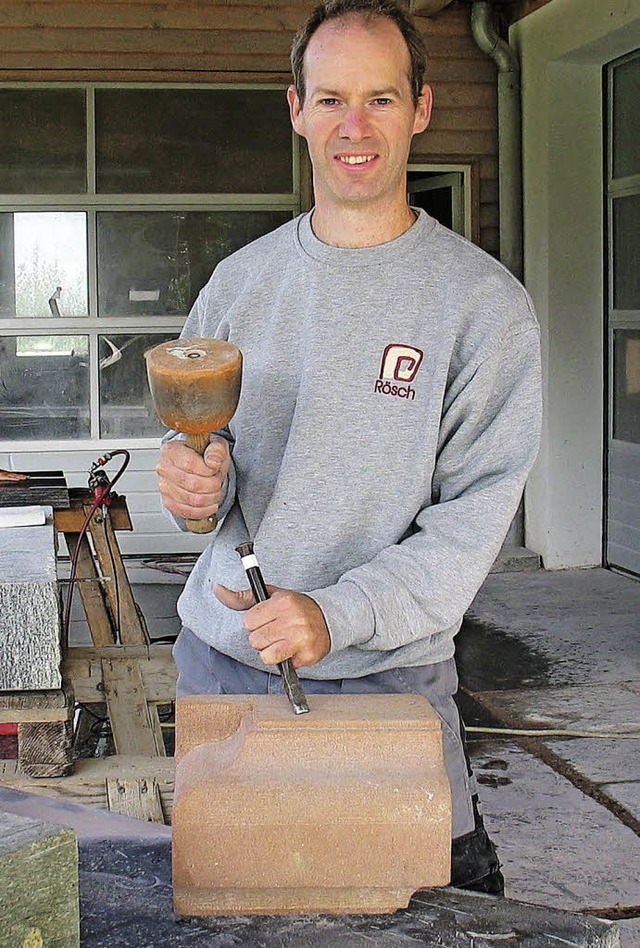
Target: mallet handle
point(199, 444)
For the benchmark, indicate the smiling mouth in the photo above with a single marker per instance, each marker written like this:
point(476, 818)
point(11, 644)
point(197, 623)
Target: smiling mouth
point(355, 159)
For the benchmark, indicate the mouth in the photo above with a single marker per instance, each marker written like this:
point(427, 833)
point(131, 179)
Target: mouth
point(355, 160)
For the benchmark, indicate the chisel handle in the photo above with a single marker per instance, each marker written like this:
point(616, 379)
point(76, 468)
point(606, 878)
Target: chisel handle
point(290, 680)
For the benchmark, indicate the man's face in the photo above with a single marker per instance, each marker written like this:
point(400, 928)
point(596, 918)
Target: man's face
point(358, 115)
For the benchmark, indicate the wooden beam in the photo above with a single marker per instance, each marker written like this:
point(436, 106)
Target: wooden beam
point(134, 723)
point(139, 798)
point(83, 668)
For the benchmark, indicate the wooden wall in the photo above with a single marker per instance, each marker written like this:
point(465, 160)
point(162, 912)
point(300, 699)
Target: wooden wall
point(244, 40)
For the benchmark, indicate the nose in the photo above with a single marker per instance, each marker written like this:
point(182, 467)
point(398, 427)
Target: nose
point(355, 125)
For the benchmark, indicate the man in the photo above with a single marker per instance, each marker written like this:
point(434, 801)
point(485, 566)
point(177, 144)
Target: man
point(388, 419)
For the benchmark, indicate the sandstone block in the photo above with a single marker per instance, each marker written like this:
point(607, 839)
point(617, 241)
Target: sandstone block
point(344, 809)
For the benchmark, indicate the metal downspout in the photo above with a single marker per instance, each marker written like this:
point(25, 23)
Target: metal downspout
point(509, 134)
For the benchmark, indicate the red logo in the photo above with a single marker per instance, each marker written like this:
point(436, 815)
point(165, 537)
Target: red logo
point(399, 364)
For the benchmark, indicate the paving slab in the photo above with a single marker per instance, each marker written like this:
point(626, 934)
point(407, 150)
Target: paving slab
point(627, 793)
point(611, 708)
point(601, 760)
point(558, 846)
point(629, 933)
point(551, 628)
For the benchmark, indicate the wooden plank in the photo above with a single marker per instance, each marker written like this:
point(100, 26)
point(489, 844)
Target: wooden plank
point(88, 783)
point(107, 17)
point(134, 42)
point(34, 706)
point(188, 15)
point(471, 143)
point(91, 593)
point(72, 520)
point(83, 668)
point(126, 617)
point(139, 798)
point(463, 119)
point(130, 716)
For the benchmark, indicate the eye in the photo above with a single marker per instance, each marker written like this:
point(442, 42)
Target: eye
point(382, 100)
point(328, 102)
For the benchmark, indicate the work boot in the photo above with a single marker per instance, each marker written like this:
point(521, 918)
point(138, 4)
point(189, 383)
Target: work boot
point(474, 862)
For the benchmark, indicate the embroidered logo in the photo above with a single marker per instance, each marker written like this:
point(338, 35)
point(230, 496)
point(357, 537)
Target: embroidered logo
point(399, 364)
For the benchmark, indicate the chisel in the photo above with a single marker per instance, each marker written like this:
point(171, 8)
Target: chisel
point(290, 680)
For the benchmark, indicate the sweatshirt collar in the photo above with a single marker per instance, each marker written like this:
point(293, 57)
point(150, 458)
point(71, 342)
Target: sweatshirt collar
point(382, 254)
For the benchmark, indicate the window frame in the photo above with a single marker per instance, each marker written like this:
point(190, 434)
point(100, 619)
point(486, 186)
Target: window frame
point(92, 203)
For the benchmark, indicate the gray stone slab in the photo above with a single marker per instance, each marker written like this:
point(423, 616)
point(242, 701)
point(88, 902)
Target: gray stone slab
point(30, 620)
point(627, 793)
point(629, 933)
point(558, 846)
point(553, 628)
point(126, 901)
point(601, 760)
point(611, 708)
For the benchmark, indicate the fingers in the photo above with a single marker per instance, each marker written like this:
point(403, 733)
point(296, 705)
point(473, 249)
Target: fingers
point(289, 625)
point(192, 486)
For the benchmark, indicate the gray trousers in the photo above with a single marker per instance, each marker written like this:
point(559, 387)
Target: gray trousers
point(202, 670)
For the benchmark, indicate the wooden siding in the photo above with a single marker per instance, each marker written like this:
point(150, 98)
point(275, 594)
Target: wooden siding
point(244, 41)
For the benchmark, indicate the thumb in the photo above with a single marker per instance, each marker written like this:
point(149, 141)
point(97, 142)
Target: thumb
point(239, 601)
point(216, 454)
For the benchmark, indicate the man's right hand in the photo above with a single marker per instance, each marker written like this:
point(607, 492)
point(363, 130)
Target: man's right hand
point(192, 486)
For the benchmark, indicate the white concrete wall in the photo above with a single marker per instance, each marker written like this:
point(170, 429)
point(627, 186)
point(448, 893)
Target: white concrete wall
point(563, 47)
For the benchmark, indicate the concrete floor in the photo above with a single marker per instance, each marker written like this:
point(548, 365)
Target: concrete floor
point(559, 649)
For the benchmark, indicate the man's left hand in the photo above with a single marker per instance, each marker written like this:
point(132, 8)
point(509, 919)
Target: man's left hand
point(288, 625)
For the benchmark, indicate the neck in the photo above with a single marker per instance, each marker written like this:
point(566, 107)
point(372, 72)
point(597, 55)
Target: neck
point(359, 227)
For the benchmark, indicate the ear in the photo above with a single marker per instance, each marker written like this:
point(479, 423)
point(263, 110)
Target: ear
point(295, 110)
point(423, 109)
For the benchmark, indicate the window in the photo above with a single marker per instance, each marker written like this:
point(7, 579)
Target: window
point(116, 203)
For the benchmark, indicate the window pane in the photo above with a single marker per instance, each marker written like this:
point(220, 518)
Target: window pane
point(172, 141)
point(626, 369)
point(43, 141)
point(43, 264)
point(626, 252)
point(126, 407)
point(155, 262)
point(626, 127)
point(44, 388)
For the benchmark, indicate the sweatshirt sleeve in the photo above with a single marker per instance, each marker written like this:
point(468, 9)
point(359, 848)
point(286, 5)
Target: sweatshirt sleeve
point(489, 437)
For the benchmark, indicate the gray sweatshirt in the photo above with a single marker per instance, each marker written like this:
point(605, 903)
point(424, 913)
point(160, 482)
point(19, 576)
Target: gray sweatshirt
point(389, 416)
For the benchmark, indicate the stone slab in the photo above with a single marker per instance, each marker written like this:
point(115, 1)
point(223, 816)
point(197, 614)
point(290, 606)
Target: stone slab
point(629, 933)
point(126, 903)
point(601, 760)
point(38, 884)
point(611, 708)
point(344, 809)
point(558, 847)
point(552, 628)
point(30, 611)
point(627, 793)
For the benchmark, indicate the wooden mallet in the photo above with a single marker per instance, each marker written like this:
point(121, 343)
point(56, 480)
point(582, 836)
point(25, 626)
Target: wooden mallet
point(195, 385)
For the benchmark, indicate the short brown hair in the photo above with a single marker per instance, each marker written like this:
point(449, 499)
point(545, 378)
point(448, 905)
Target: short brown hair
point(368, 10)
